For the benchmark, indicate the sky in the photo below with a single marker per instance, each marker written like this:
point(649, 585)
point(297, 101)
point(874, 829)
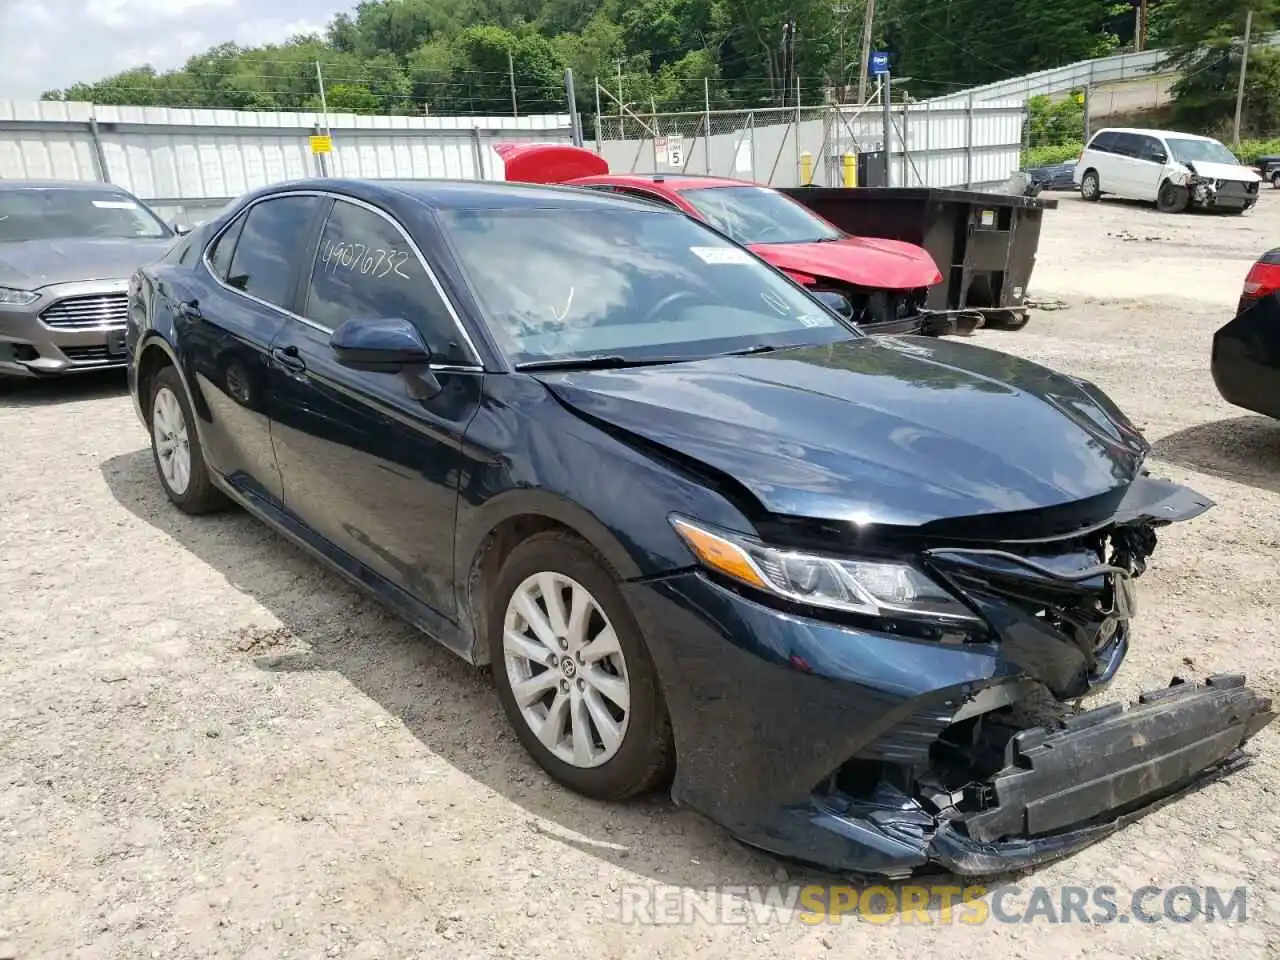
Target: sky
point(51, 44)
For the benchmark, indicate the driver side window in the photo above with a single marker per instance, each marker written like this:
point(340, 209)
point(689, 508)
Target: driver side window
point(366, 267)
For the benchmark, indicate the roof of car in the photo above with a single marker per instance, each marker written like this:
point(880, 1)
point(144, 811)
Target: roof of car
point(1152, 132)
point(675, 181)
point(457, 194)
point(59, 185)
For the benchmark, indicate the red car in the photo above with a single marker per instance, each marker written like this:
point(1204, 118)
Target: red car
point(886, 281)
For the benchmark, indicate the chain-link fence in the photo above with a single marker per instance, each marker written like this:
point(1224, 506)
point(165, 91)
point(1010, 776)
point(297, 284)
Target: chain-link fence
point(975, 145)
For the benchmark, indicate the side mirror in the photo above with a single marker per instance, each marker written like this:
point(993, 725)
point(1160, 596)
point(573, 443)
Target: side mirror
point(180, 228)
point(837, 303)
point(379, 346)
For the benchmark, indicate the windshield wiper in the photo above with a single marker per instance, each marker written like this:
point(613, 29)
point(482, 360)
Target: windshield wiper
point(597, 362)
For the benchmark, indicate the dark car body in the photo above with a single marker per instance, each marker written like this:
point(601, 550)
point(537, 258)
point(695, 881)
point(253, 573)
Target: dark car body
point(859, 742)
point(1057, 176)
point(63, 296)
point(1245, 360)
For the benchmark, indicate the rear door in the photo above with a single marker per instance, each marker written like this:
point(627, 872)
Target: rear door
point(226, 330)
point(370, 472)
point(1129, 167)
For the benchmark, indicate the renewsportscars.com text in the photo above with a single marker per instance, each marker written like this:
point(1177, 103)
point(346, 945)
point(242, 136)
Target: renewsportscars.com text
point(932, 904)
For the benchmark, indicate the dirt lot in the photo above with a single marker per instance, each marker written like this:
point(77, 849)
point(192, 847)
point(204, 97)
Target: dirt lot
point(210, 747)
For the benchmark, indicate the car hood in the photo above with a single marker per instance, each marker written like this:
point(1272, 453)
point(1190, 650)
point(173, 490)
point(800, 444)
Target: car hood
point(32, 264)
point(1224, 171)
point(863, 261)
point(875, 430)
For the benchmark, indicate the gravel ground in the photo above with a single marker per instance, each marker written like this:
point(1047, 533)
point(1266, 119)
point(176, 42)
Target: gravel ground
point(210, 747)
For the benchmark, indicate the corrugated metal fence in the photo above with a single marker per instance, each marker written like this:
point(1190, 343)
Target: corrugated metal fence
point(191, 162)
point(975, 145)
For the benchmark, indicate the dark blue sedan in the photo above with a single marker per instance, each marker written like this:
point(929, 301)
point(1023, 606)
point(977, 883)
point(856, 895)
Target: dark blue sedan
point(705, 532)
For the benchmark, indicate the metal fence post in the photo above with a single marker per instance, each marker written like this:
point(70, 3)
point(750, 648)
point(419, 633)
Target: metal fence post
point(598, 133)
point(1088, 101)
point(706, 113)
point(99, 155)
point(968, 144)
point(928, 137)
point(478, 150)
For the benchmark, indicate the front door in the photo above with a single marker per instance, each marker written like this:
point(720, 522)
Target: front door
point(366, 467)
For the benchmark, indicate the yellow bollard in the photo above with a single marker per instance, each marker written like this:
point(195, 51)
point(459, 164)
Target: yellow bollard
point(850, 170)
point(806, 168)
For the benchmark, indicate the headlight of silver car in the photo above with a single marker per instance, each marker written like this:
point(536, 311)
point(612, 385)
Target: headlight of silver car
point(17, 298)
point(875, 587)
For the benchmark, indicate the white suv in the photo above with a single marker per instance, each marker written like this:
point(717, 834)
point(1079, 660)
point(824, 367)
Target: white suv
point(1171, 170)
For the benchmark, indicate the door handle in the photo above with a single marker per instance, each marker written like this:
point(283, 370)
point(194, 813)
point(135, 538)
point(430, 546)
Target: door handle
point(288, 358)
point(190, 309)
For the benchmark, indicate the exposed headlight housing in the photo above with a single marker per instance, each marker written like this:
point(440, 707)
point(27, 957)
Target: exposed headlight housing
point(10, 296)
point(881, 588)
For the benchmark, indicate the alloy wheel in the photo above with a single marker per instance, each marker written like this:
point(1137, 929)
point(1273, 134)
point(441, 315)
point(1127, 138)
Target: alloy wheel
point(566, 669)
point(173, 451)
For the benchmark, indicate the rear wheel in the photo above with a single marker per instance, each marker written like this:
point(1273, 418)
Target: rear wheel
point(1172, 198)
point(573, 673)
point(1275, 179)
point(1090, 187)
point(175, 446)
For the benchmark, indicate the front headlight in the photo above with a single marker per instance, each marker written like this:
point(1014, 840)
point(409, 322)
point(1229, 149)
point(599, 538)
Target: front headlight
point(17, 298)
point(874, 587)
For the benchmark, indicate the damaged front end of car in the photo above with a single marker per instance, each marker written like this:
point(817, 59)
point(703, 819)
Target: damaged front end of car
point(1205, 191)
point(1008, 774)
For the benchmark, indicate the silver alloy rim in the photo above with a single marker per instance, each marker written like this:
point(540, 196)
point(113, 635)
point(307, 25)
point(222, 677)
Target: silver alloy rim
point(1090, 185)
point(566, 669)
point(169, 427)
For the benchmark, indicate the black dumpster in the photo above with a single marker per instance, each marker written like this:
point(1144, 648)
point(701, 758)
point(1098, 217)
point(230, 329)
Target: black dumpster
point(984, 243)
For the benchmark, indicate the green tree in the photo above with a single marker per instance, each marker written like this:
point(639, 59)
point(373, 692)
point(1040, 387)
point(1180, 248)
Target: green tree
point(1203, 39)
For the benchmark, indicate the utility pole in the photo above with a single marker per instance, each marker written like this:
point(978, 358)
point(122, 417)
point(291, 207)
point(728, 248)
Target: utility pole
point(618, 63)
point(511, 75)
point(867, 29)
point(1244, 66)
point(1140, 34)
point(885, 97)
point(786, 48)
point(840, 10)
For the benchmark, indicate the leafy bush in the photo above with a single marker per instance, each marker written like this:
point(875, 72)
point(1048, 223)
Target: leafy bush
point(1047, 156)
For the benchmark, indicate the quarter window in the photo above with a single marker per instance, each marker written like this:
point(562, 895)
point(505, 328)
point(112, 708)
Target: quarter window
point(222, 249)
point(274, 233)
point(365, 267)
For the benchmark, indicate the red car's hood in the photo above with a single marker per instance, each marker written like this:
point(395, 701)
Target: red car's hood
point(864, 261)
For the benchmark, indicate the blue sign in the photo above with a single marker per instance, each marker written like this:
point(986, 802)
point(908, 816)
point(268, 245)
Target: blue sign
point(879, 64)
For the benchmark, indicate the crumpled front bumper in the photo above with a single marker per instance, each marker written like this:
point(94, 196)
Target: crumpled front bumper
point(866, 750)
point(1063, 789)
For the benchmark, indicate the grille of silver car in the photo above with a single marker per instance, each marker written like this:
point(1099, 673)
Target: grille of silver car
point(89, 312)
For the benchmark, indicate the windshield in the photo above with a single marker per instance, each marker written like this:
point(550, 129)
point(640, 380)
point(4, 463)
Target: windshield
point(61, 213)
point(571, 282)
point(1209, 151)
point(759, 215)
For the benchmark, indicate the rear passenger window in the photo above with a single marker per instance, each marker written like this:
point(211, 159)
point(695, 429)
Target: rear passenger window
point(271, 242)
point(222, 249)
point(1128, 145)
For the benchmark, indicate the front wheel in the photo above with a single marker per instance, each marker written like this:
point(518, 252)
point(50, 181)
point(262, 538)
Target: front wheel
point(1275, 179)
point(1172, 198)
point(573, 673)
point(1090, 187)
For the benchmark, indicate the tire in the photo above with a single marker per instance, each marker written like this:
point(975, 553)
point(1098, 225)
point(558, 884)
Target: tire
point(1275, 180)
point(1008, 319)
point(1090, 186)
point(643, 756)
point(1172, 199)
point(173, 436)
